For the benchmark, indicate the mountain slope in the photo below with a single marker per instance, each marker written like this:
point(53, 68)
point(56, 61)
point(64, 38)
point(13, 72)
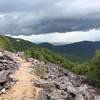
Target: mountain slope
point(38, 52)
point(14, 44)
point(20, 44)
point(85, 49)
point(5, 43)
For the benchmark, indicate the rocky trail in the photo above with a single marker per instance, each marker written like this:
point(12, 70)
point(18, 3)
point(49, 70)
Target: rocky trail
point(30, 79)
point(23, 89)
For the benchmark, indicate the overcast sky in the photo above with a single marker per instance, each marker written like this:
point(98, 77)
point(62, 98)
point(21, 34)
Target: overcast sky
point(61, 18)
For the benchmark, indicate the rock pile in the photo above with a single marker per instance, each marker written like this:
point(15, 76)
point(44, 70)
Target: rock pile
point(61, 84)
point(7, 66)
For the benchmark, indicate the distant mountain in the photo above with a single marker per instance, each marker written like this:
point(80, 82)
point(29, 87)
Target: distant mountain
point(85, 49)
point(59, 43)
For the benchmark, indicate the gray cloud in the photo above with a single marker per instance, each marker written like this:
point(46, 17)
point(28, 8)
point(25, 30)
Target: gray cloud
point(47, 16)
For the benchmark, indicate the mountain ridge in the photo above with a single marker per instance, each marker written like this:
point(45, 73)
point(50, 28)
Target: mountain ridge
point(81, 49)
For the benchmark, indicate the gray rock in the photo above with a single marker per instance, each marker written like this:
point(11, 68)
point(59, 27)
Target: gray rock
point(42, 95)
point(20, 54)
point(30, 59)
point(3, 75)
point(43, 83)
point(66, 85)
point(55, 95)
point(79, 97)
point(7, 85)
point(60, 86)
point(72, 89)
point(1, 55)
point(3, 90)
point(8, 64)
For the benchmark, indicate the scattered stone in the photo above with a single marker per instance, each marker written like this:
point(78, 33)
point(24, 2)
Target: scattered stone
point(43, 83)
point(79, 97)
point(1, 55)
point(72, 89)
point(20, 54)
point(66, 85)
point(3, 90)
point(8, 64)
point(29, 59)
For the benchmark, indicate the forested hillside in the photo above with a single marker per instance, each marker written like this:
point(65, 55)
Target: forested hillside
point(5, 43)
point(84, 49)
point(20, 44)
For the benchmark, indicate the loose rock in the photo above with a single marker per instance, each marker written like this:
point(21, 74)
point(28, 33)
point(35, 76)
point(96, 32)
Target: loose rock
point(66, 84)
point(8, 64)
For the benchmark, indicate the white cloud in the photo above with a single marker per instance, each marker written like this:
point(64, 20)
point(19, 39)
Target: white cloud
point(69, 37)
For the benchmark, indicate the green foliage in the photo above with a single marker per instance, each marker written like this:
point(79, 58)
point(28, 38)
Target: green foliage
point(39, 70)
point(19, 44)
point(76, 59)
point(5, 43)
point(94, 69)
point(12, 44)
point(46, 55)
point(98, 54)
point(81, 69)
point(85, 49)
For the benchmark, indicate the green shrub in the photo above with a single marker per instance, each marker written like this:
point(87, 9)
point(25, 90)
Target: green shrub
point(5, 43)
point(39, 70)
point(94, 69)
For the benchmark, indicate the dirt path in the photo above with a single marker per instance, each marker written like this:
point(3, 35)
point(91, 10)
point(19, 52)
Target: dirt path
point(23, 89)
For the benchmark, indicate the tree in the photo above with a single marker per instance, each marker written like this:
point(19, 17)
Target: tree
point(94, 70)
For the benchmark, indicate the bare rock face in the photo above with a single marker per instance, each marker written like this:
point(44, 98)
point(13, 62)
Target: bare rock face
point(7, 66)
point(64, 85)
